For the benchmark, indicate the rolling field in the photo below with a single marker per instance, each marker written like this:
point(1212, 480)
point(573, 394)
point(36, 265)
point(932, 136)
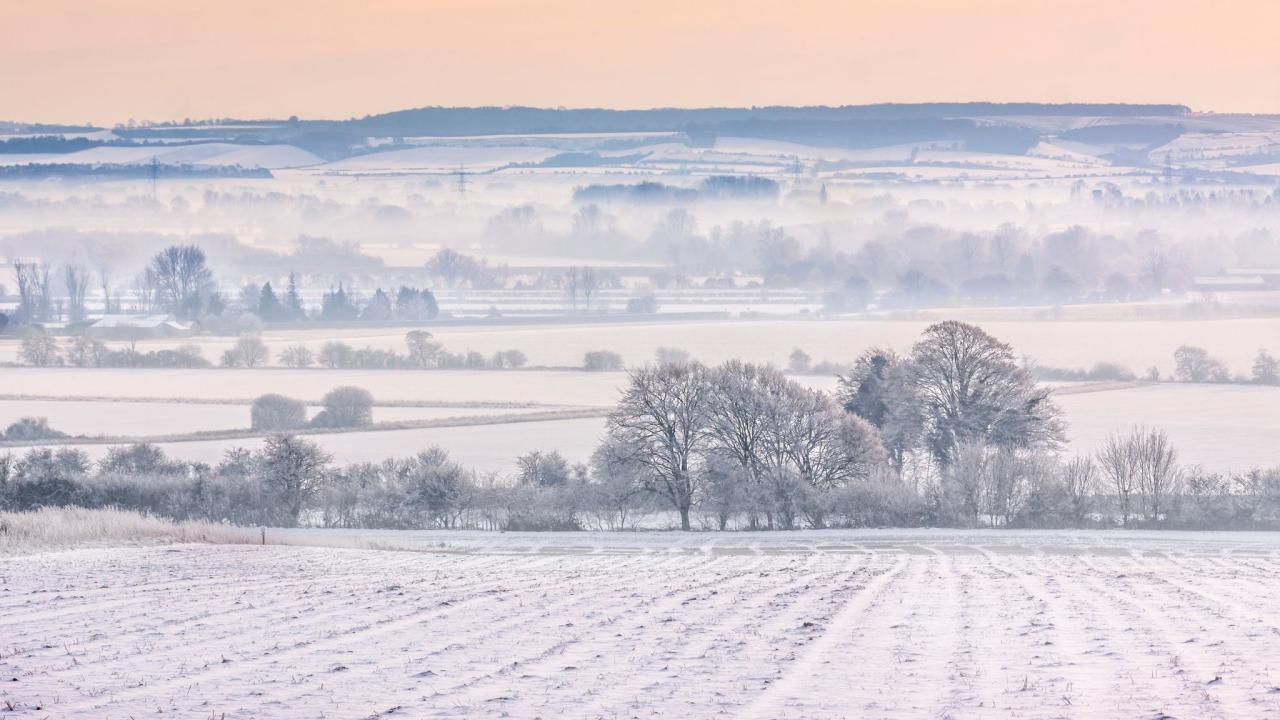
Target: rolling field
point(918, 624)
point(97, 417)
point(1222, 428)
point(481, 447)
point(1219, 427)
point(450, 386)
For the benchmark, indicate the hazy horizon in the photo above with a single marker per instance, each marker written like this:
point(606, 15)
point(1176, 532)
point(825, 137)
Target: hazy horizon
point(148, 60)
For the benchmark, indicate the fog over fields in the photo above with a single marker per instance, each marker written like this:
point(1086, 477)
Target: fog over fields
point(523, 412)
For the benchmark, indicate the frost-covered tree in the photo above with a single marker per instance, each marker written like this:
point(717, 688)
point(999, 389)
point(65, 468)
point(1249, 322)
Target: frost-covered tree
point(880, 388)
point(248, 352)
point(181, 279)
point(660, 425)
point(346, 406)
point(1266, 369)
point(1196, 365)
point(974, 391)
point(293, 470)
point(297, 356)
point(1120, 460)
point(277, 413)
point(40, 350)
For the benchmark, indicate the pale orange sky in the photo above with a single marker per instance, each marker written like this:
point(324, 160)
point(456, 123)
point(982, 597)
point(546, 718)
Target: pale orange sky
point(106, 61)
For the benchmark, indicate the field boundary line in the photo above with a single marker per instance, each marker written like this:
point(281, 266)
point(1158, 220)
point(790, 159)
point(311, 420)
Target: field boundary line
point(246, 434)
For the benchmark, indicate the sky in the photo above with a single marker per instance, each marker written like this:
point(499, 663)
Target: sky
point(106, 61)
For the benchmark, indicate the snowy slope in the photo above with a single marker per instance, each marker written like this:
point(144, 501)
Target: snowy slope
point(443, 158)
point(915, 625)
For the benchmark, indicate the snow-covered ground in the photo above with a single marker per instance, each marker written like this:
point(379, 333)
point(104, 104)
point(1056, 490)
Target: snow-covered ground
point(923, 624)
point(264, 156)
point(125, 419)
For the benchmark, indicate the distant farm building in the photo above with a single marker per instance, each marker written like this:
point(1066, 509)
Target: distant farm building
point(1229, 283)
point(1270, 276)
point(137, 327)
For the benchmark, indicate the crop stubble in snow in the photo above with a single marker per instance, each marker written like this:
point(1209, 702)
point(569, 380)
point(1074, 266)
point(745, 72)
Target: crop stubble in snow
point(820, 625)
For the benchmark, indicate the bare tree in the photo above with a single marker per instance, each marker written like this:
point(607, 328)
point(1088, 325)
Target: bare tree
point(661, 423)
point(1159, 476)
point(826, 447)
point(618, 487)
point(424, 349)
point(145, 292)
point(248, 352)
point(451, 266)
point(590, 287)
point(974, 390)
point(1120, 460)
point(1005, 480)
point(961, 483)
point(737, 417)
point(572, 283)
point(104, 279)
point(1196, 365)
point(76, 279)
point(1080, 482)
point(294, 469)
point(40, 349)
point(741, 421)
point(181, 278)
point(297, 356)
point(35, 302)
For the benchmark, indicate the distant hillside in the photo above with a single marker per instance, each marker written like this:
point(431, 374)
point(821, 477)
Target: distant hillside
point(1005, 128)
point(442, 121)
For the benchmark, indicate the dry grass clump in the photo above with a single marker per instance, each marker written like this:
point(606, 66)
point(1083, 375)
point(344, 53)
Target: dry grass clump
point(56, 527)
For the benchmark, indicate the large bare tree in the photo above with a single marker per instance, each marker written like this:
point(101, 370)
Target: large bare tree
point(35, 301)
point(76, 279)
point(181, 278)
point(294, 469)
point(973, 390)
point(661, 421)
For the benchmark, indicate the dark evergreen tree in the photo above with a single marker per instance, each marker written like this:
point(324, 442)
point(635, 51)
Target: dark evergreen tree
point(336, 305)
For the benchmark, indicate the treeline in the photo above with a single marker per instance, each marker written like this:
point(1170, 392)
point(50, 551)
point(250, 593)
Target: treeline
point(292, 481)
point(179, 281)
point(715, 187)
point(1133, 481)
point(423, 352)
point(955, 433)
point(43, 350)
point(126, 171)
point(407, 304)
point(1191, 364)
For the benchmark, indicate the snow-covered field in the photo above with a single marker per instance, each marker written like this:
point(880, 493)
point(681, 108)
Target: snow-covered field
point(1222, 428)
point(481, 447)
point(1219, 427)
point(924, 624)
point(92, 418)
point(207, 154)
point(1137, 344)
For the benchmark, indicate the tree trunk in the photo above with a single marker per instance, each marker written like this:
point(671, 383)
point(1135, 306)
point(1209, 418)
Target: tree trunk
point(684, 517)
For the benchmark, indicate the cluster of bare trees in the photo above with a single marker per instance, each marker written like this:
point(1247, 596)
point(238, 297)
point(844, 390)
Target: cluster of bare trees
point(739, 433)
point(177, 280)
point(36, 300)
point(1143, 472)
point(953, 433)
point(689, 432)
point(292, 480)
